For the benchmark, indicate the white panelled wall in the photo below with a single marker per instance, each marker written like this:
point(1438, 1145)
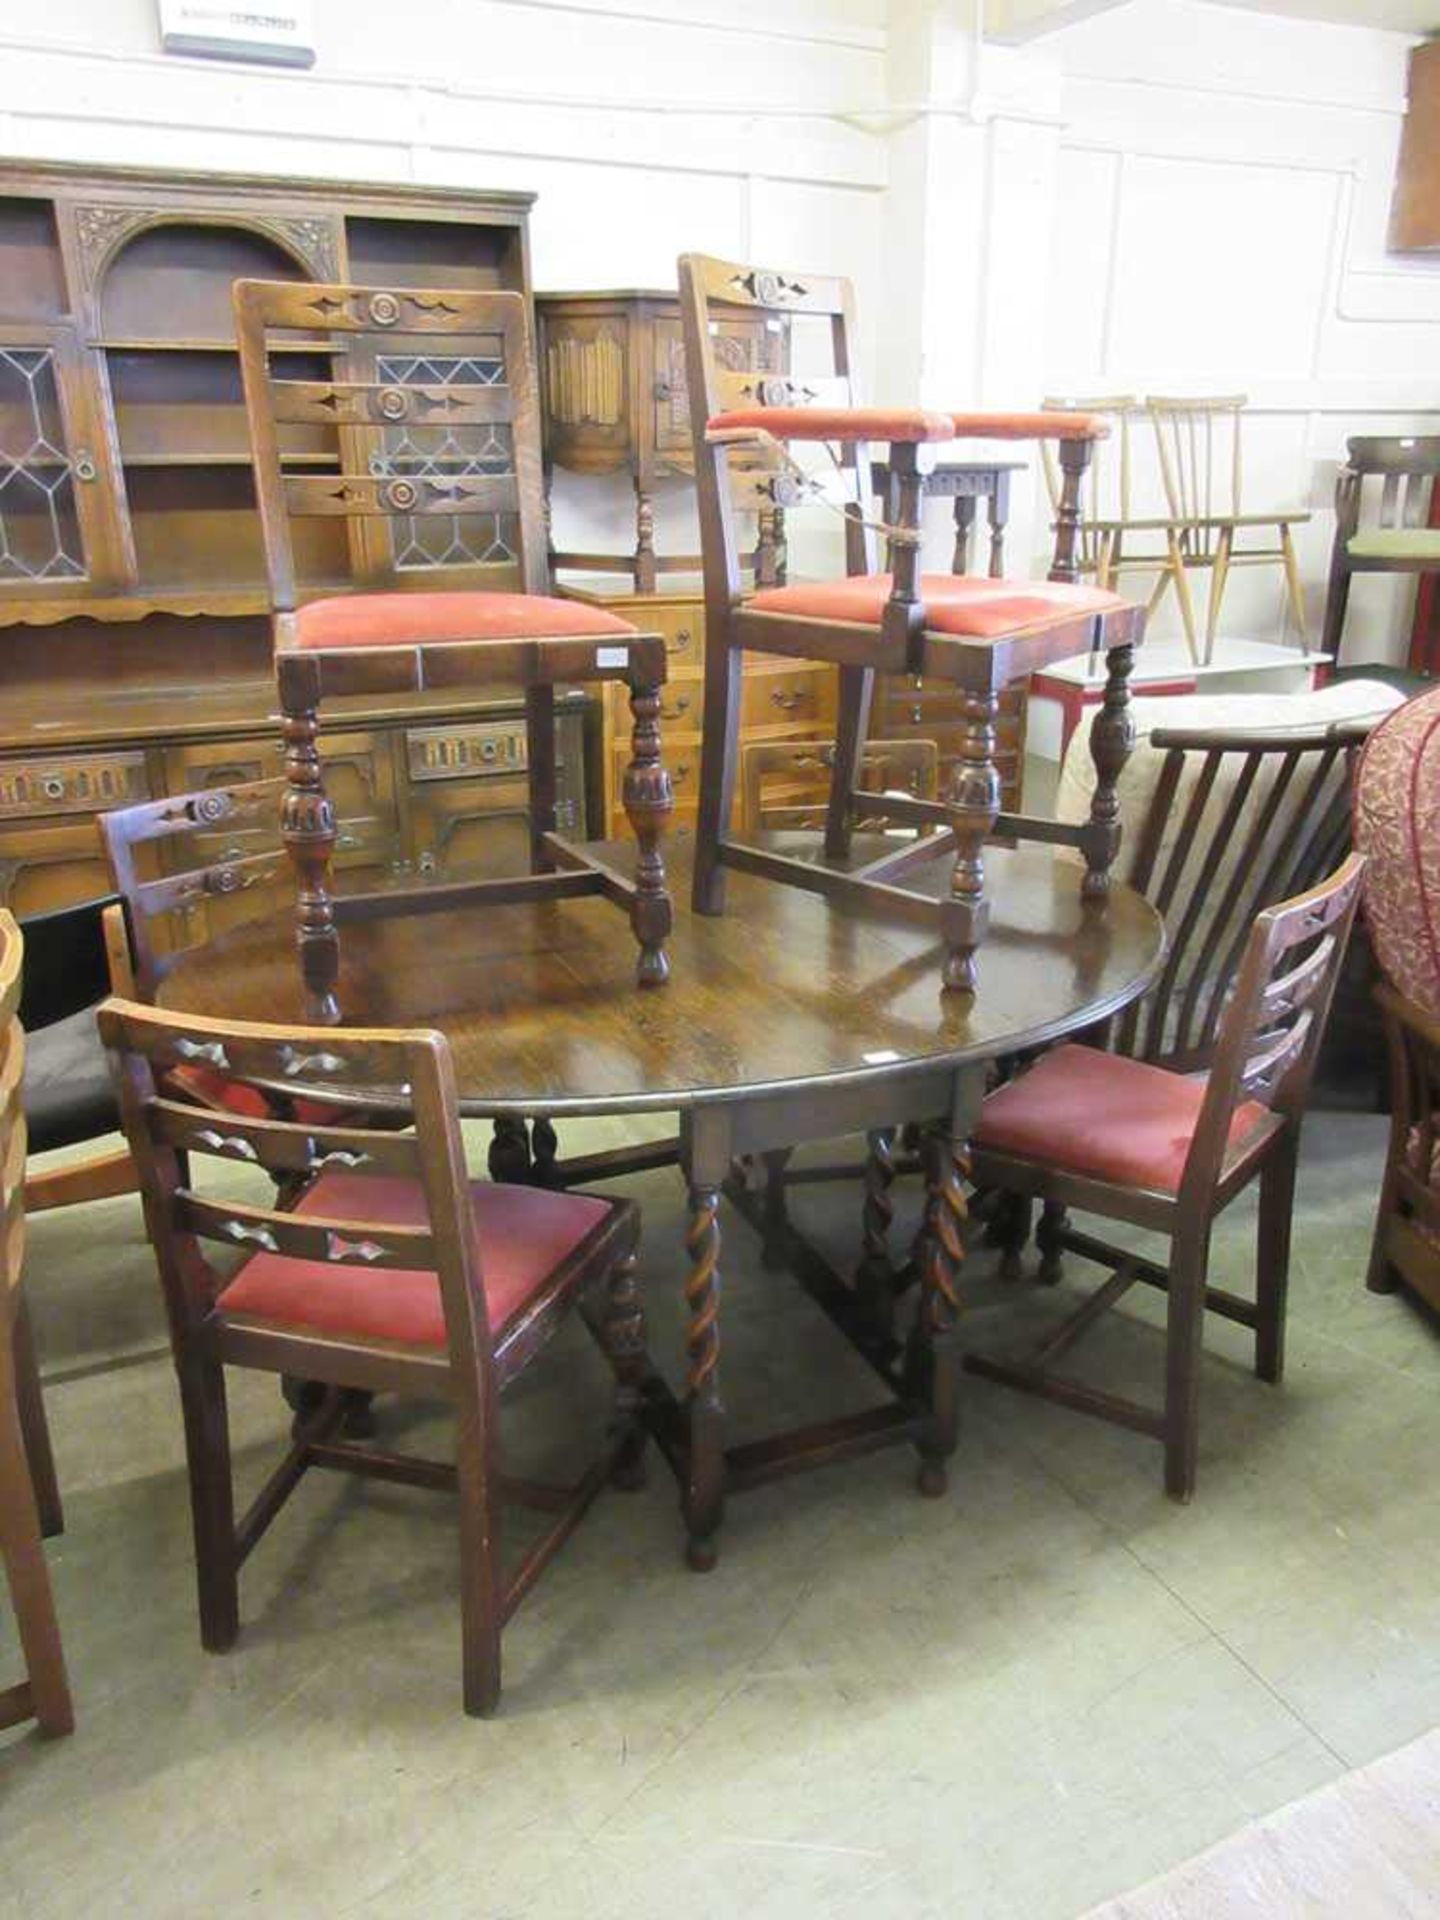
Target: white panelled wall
point(1166, 196)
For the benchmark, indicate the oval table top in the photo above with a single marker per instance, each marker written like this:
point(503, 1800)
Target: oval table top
point(540, 1006)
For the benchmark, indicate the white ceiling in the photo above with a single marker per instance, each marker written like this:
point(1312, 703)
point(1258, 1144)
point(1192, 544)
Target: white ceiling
point(1403, 16)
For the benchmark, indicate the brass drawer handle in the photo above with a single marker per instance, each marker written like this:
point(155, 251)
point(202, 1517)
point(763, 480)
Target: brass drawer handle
point(789, 698)
point(681, 641)
point(53, 787)
point(682, 705)
point(84, 465)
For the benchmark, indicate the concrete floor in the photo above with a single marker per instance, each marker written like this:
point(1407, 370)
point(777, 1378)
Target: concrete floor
point(1014, 1702)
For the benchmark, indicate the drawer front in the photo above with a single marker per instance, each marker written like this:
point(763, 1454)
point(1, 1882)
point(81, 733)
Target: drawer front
point(921, 705)
point(682, 628)
point(484, 749)
point(78, 783)
point(43, 867)
point(801, 698)
point(357, 770)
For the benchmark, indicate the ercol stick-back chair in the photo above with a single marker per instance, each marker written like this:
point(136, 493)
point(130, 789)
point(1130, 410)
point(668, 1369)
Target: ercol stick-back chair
point(1200, 444)
point(1397, 824)
point(1163, 1150)
point(432, 399)
point(907, 767)
point(29, 1495)
point(978, 634)
point(1400, 539)
point(391, 1272)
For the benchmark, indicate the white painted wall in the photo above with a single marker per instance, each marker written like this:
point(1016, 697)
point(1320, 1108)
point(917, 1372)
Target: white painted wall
point(1167, 195)
point(1219, 225)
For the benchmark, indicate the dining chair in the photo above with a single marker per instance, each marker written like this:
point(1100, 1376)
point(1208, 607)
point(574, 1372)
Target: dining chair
point(29, 1494)
point(1200, 444)
point(976, 634)
point(427, 406)
point(1165, 1150)
point(1383, 495)
point(1397, 824)
point(778, 778)
point(68, 1098)
point(391, 1271)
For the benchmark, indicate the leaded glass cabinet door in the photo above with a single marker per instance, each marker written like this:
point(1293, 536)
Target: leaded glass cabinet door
point(56, 476)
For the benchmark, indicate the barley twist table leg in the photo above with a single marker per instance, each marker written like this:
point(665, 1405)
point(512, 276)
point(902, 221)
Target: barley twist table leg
point(875, 1277)
point(705, 1480)
point(934, 1356)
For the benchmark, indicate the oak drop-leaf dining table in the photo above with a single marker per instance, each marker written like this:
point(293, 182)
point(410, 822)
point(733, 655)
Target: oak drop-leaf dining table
point(789, 1019)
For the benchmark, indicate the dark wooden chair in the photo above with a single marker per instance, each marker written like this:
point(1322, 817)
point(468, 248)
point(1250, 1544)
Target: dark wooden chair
point(67, 1092)
point(1397, 826)
point(1237, 820)
point(390, 1272)
point(1161, 1149)
point(976, 634)
point(29, 1495)
point(421, 436)
point(1391, 477)
point(909, 767)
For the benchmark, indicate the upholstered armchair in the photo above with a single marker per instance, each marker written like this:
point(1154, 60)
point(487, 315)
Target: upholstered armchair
point(1397, 825)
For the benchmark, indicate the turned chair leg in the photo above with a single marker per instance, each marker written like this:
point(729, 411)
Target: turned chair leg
point(1184, 1346)
point(1049, 1240)
point(649, 801)
point(307, 827)
point(1012, 1231)
point(1112, 738)
point(212, 1502)
point(974, 806)
point(1272, 1247)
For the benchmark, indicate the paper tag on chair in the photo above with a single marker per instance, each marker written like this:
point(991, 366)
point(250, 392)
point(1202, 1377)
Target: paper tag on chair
point(612, 657)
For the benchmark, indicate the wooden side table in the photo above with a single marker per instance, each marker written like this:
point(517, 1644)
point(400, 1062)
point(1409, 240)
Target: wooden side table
point(967, 483)
point(612, 381)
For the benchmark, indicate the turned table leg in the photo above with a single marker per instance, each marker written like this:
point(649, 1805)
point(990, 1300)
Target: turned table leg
point(933, 1364)
point(649, 800)
point(307, 828)
point(704, 1496)
point(974, 804)
point(1112, 736)
point(509, 1157)
point(875, 1276)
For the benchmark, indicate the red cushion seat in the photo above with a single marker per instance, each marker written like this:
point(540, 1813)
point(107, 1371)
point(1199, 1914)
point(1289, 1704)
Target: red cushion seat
point(961, 604)
point(524, 1233)
point(1105, 1117)
point(428, 619)
point(209, 1087)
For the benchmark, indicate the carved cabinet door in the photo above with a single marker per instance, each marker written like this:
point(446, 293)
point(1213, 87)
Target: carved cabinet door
point(746, 343)
point(58, 528)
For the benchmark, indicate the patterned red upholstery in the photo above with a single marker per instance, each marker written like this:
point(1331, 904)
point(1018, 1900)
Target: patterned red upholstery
point(837, 423)
point(1030, 426)
point(423, 619)
point(1397, 828)
point(954, 603)
point(524, 1233)
point(208, 1087)
point(1104, 1116)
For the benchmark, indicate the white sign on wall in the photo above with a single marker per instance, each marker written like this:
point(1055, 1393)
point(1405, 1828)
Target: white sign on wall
point(278, 32)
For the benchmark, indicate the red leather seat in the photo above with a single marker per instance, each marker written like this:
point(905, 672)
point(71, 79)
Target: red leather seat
point(524, 1233)
point(208, 1087)
point(961, 604)
point(1105, 1117)
point(421, 619)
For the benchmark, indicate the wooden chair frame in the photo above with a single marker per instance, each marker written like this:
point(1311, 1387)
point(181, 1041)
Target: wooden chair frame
point(360, 323)
point(413, 1069)
point(1266, 1049)
point(29, 1492)
point(740, 473)
point(1407, 467)
point(1406, 1246)
point(1203, 492)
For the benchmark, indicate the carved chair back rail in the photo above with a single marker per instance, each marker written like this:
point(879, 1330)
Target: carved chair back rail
point(445, 1320)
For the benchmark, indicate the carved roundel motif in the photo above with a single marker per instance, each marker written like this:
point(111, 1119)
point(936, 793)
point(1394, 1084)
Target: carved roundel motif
point(401, 495)
point(768, 289)
point(384, 309)
point(774, 393)
point(222, 880)
point(210, 807)
point(394, 403)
